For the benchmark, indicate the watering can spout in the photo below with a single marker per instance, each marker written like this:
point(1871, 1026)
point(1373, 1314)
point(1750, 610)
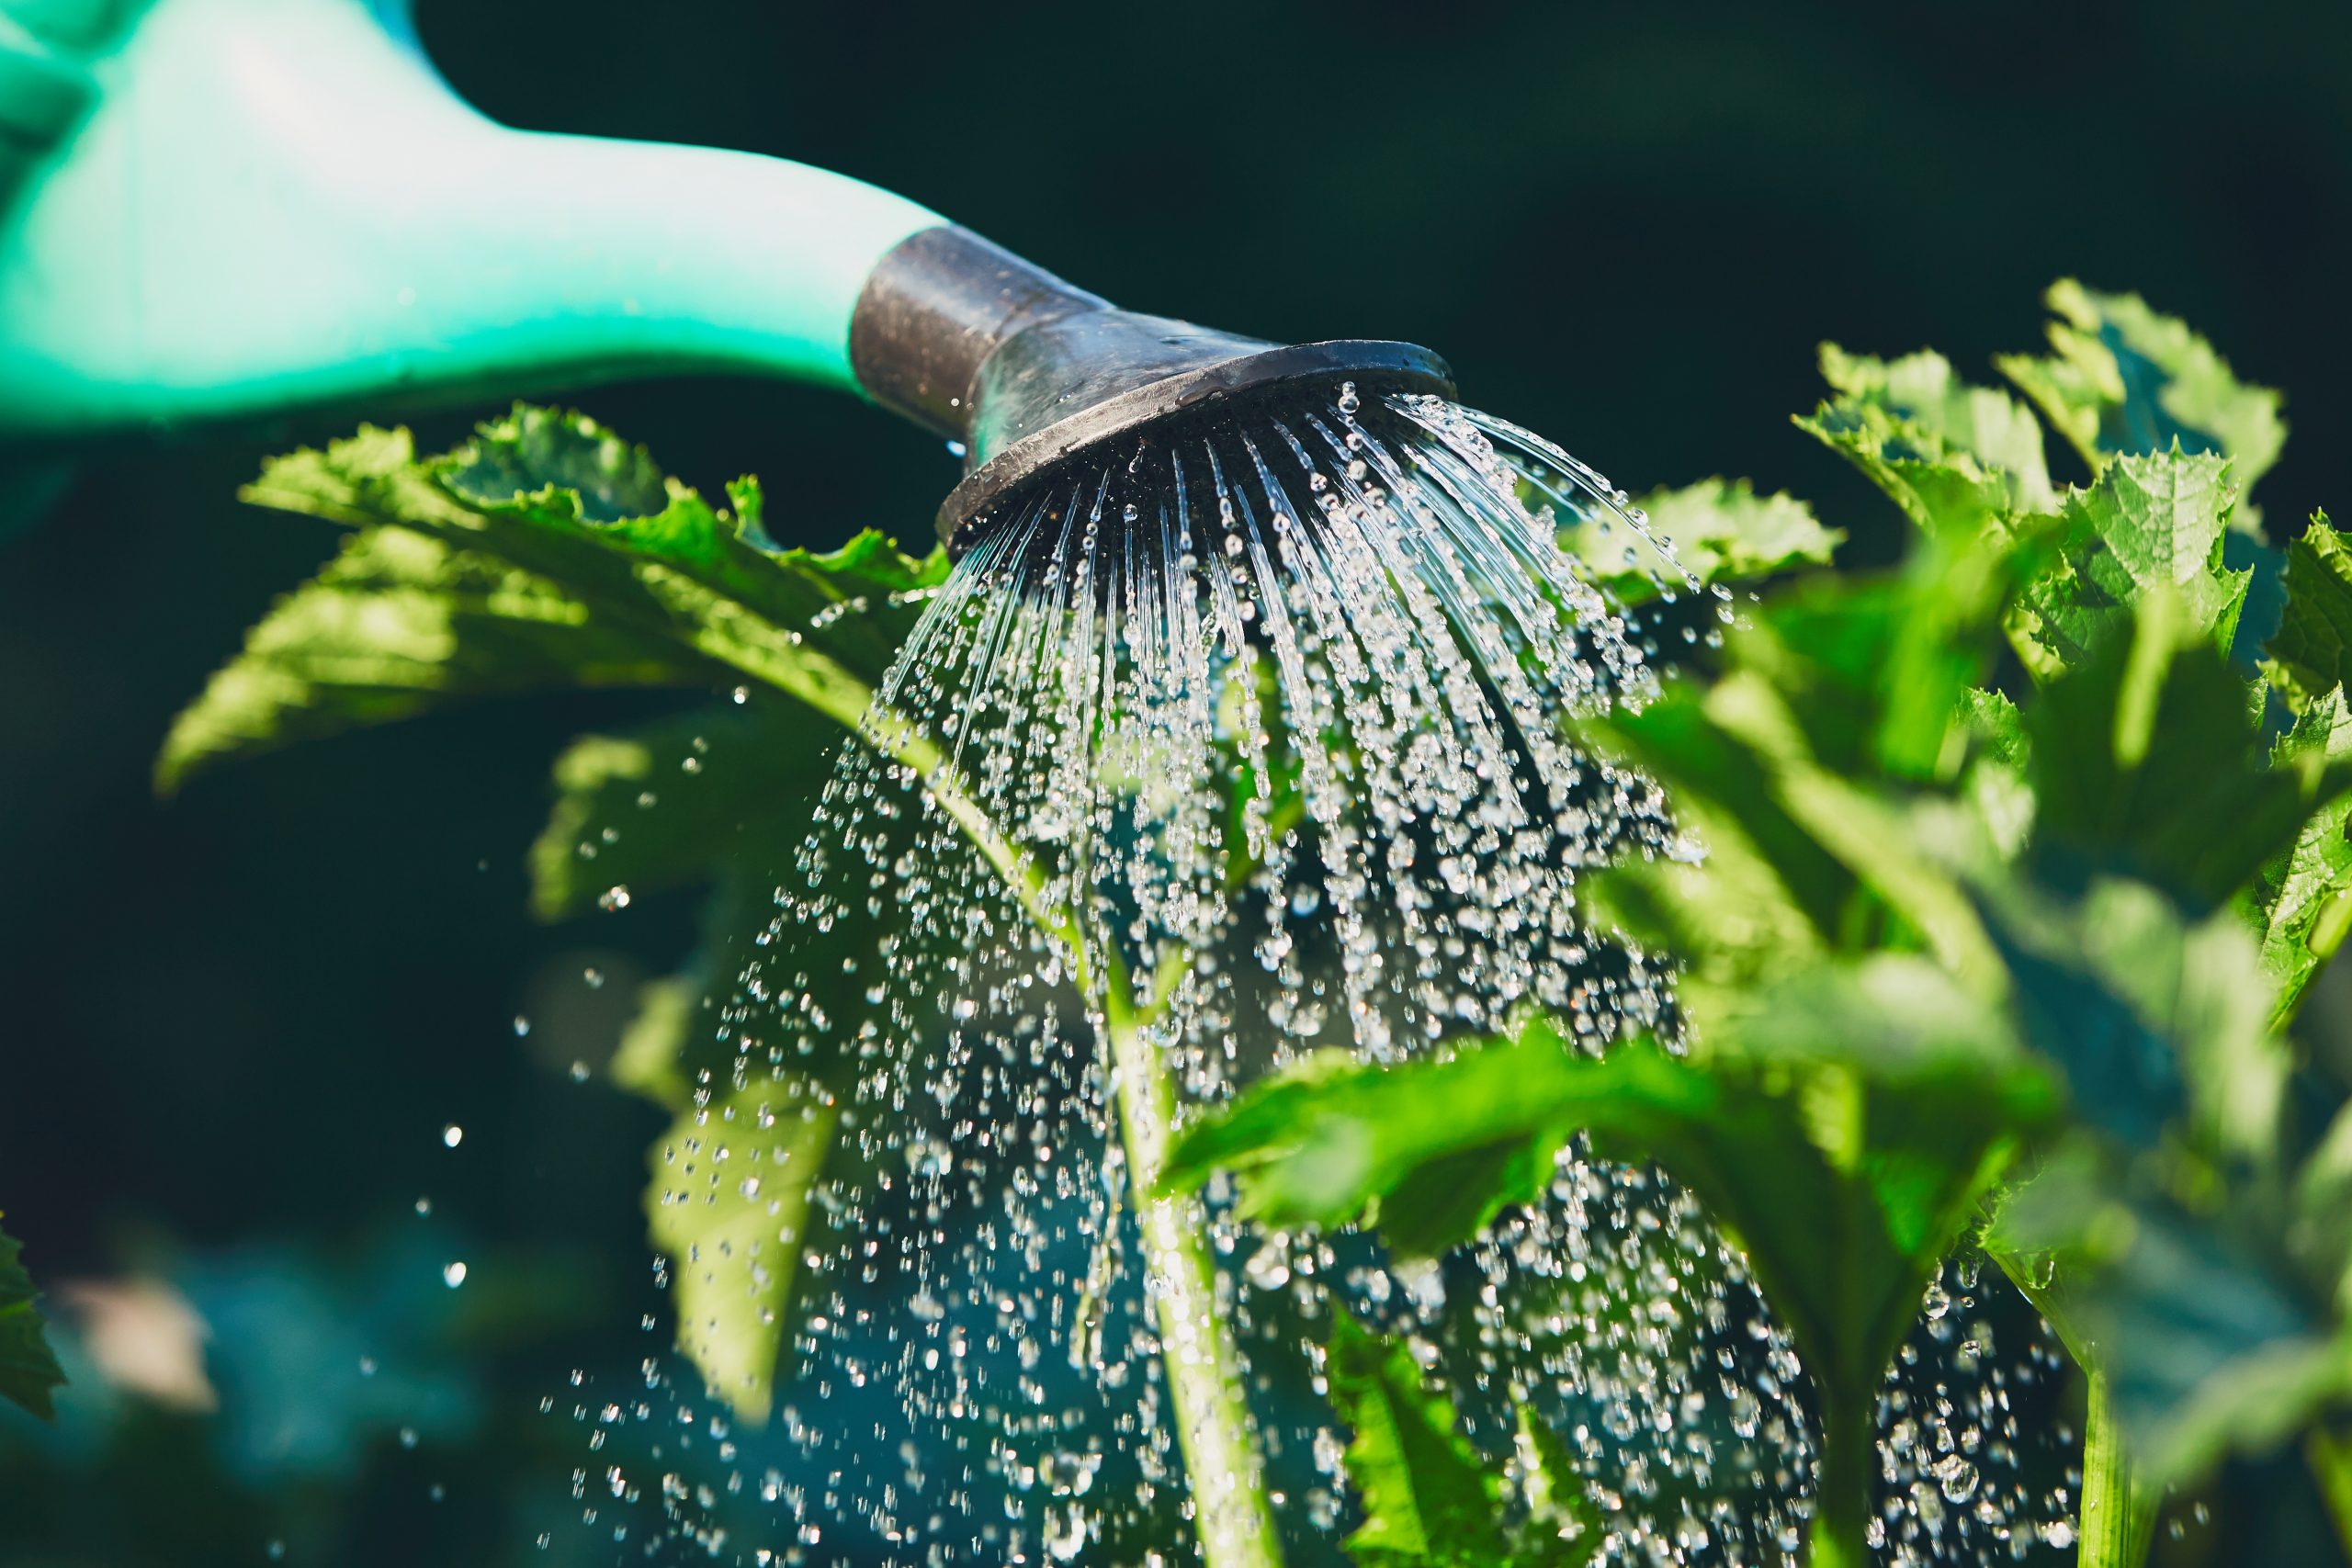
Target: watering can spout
point(257, 207)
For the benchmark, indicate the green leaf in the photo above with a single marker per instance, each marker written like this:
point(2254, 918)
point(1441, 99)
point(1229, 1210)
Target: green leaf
point(1839, 1129)
point(2310, 654)
point(2145, 763)
point(2149, 524)
point(543, 554)
point(728, 1205)
point(651, 1059)
point(677, 803)
point(1564, 1529)
point(1944, 415)
point(1426, 1496)
point(2303, 905)
point(29, 1371)
point(2156, 1018)
point(1722, 531)
point(2123, 378)
point(2205, 1342)
point(1940, 487)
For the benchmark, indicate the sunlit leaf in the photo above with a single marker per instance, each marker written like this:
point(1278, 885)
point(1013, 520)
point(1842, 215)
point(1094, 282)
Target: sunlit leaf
point(1720, 530)
point(521, 562)
point(2303, 905)
point(677, 803)
point(2123, 378)
point(727, 1204)
point(2149, 524)
point(1427, 1497)
point(1947, 415)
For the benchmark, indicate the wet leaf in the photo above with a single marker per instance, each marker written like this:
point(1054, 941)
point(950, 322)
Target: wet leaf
point(1839, 1129)
point(678, 803)
point(29, 1371)
point(1565, 1526)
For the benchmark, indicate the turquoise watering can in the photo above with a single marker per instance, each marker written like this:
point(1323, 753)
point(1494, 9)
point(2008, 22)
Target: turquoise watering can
point(215, 211)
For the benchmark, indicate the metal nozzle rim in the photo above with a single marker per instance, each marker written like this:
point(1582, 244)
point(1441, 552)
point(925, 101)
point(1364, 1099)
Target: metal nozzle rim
point(1381, 365)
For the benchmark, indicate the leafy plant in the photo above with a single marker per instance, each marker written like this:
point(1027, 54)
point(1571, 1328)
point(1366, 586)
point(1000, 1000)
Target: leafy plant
point(2081, 887)
point(2008, 895)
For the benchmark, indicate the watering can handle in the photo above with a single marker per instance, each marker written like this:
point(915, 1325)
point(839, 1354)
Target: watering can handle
point(234, 209)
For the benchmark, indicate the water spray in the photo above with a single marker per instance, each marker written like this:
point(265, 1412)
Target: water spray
point(1184, 557)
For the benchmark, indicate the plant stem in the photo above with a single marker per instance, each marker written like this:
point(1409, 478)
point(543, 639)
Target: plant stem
point(1842, 1504)
point(1235, 1524)
point(1232, 1518)
point(2118, 1516)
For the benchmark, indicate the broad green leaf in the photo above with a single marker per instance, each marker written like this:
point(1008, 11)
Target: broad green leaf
point(2145, 764)
point(1939, 486)
point(2205, 1340)
point(1426, 1496)
point(1875, 670)
point(1720, 531)
point(2303, 905)
point(727, 1204)
point(1996, 782)
point(397, 623)
point(1839, 1130)
point(519, 563)
point(29, 1372)
point(2123, 378)
point(1949, 416)
point(2312, 653)
point(2149, 524)
point(651, 1057)
point(2159, 1021)
point(678, 803)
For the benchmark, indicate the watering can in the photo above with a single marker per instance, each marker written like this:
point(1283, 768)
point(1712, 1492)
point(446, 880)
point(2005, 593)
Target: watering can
point(215, 211)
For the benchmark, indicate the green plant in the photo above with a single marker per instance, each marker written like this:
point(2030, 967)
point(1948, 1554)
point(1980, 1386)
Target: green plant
point(2003, 913)
point(1960, 824)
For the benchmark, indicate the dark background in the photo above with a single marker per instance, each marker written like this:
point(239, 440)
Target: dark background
point(232, 1025)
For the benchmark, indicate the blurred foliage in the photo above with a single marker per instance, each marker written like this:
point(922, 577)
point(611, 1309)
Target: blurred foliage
point(1716, 530)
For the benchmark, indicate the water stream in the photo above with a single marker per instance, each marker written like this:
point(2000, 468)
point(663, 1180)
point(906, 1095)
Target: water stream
point(1240, 743)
